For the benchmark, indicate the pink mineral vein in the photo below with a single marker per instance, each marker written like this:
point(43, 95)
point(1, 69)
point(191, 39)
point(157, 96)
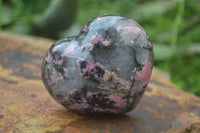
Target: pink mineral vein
point(48, 58)
point(77, 106)
point(118, 101)
point(90, 68)
point(145, 73)
point(96, 39)
point(85, 28)
point(70, 49)
point(100, 39)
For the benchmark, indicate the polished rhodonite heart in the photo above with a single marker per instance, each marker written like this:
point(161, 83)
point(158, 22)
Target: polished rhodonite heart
point(105, 69)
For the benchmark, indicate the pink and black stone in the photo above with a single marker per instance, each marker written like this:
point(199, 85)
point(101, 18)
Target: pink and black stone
point(105, 69)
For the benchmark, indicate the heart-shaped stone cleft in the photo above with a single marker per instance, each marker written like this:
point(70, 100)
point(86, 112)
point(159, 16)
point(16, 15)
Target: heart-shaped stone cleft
point(105, 69)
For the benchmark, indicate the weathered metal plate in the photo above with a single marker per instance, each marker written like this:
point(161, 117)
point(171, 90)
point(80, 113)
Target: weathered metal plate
point(26, 106)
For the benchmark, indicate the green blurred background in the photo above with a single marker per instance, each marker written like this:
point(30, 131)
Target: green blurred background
point(173, 26)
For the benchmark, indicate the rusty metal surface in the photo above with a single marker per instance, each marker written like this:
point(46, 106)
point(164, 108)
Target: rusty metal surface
point(26, 106)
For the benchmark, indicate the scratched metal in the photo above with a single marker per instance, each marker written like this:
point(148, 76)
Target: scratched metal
point(26, 106)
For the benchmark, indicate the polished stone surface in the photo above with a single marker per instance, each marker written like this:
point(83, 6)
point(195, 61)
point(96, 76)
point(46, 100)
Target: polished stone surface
point(105, 69)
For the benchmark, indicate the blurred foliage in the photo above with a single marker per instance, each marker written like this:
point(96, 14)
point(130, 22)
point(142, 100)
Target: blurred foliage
point(51, 24)
point(173, 26)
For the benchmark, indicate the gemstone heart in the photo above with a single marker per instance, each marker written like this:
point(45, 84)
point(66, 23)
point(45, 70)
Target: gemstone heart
point(105, 69)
